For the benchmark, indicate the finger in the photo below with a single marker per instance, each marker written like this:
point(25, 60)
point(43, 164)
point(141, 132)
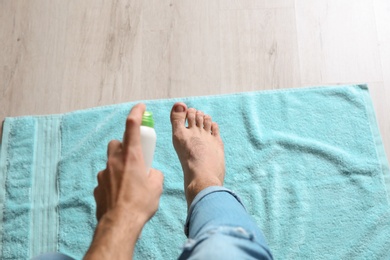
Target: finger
point(113, 147)
point(97, 196)
point(100, 178)
point(132, 135)
point(96, 193)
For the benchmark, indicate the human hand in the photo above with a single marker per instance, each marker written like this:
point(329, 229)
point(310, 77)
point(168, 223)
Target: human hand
point(126, 196)
point(124, 185)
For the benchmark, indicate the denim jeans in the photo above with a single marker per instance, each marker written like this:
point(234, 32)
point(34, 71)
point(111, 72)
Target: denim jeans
point(217, 227)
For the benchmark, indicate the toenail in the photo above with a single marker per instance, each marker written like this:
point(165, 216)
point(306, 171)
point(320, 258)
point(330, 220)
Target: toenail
point(179, 108)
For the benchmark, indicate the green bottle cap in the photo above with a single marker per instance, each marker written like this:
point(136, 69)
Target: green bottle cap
point(147, 119)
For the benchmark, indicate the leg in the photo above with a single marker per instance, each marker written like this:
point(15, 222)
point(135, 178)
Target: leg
point(217, 225)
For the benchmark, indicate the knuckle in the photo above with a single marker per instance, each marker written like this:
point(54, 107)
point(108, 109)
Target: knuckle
point(132, 121)
point(113, 142)
point(100, 177)
point(161, 175)
point(110, 161)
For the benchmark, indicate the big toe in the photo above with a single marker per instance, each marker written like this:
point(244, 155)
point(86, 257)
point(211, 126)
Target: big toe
point(178, 115)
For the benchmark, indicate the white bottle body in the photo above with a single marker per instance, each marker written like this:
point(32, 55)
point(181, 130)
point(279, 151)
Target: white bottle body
point(148, 141)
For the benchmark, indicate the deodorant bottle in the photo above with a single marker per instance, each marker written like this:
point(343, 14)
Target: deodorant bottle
point(148, 139)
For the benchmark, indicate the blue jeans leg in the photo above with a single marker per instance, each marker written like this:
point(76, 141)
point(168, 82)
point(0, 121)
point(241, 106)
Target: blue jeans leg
point(218, 227)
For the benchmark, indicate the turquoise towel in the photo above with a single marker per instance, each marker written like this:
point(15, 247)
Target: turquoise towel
point(308, 163)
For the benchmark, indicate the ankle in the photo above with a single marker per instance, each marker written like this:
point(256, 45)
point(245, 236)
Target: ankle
point(197, 186)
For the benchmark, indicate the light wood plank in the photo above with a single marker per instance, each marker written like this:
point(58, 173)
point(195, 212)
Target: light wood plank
point(103, 54)
point(259, 49)
point(382, 14)
point(381, 92)
point(255, 4)
point(337, 42)
point(182, 54)
point(380, 95)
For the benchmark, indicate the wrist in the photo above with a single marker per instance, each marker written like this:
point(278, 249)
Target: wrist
point(116, 235)
point(126, 224)
point(131, 212)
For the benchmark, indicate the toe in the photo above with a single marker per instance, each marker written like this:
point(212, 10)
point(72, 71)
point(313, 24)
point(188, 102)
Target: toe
point(191, 117)
point(199, 119)
point(207, 123)
point(215, 129)
point(178, 115)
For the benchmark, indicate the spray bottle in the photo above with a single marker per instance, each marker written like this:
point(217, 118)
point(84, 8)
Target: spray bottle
point(148, 139)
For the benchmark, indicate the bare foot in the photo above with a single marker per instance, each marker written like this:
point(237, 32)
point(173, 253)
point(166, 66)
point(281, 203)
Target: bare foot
point(199, 148)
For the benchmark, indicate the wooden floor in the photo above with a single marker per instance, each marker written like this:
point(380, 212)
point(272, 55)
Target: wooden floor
point(58, 56)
